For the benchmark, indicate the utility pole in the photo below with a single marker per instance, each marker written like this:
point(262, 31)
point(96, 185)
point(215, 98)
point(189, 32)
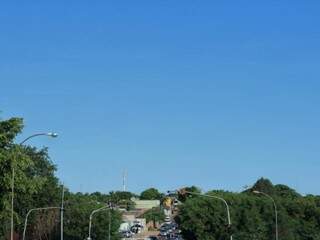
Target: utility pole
point(61, 213)
point(109, 230)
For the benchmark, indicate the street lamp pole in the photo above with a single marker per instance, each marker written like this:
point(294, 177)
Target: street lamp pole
point(62, 213)
point(50, 134)
point(219, 198)
point(275, 210)
point(29, 212)
point(109, 230)
point(91, 216)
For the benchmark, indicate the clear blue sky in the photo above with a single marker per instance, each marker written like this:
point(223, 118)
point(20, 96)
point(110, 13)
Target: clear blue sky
point(210, 93)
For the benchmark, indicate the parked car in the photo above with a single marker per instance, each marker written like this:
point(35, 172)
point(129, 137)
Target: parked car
point(137, 228)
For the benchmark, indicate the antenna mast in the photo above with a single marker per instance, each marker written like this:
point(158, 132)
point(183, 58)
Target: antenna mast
point(124, 180)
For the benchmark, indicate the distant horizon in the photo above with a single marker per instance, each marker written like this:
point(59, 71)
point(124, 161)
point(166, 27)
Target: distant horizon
point(203, 190)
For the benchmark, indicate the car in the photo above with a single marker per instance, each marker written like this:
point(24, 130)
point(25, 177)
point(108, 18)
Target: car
point(164, 232)
point(137, 228)
point(173, 236)
point(173, 226)
point(126, 234)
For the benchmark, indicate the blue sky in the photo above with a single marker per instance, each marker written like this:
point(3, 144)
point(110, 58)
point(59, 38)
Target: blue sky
point(210, 93)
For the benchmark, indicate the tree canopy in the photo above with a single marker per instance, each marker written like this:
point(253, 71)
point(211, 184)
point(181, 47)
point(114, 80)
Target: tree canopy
point(36, 186)
point(151, 194)
point(252, 215)
point(35, 183)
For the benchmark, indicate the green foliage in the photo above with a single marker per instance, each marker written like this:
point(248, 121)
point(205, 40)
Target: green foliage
point(285, 192)
point(36, 186)
point(151, 194)
point(35, 183)
point(264, 185)
point(252, 215)
point(203, 218)
point(183, 194)
point(122, 199)
point(155, 214)
point(78, 209)
point(120, 195)
point(9, 129)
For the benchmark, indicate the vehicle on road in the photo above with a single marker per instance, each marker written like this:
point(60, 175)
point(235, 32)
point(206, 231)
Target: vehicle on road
point(126, 234)
point(137, 228)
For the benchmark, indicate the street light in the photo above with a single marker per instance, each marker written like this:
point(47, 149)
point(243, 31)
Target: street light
point(62, 212)
point(275, 209)
point(96, 211)
point(50, 134)
point(216, 197)
point(29, 212)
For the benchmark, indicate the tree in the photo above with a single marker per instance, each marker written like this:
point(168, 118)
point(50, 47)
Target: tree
point(286, 192)
point(252, 215)
point(122, 199)
point(8, 131)
point(203, 218)
point(151, 194)
point(35, 183)
point(117, 196)
point(48, 194)
point(185, 193)
point(155, 215)
point(78, 209)
point(264, 185)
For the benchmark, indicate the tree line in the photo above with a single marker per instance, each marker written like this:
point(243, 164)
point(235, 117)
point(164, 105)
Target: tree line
point(253, 216)
point(36, 186)
point(199, 218)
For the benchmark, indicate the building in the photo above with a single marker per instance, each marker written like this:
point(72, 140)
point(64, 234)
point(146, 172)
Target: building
point(146, 204)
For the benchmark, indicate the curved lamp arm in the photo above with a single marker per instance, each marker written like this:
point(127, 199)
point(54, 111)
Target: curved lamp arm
point(49, 134)
point(91, 216)
point(29, 212)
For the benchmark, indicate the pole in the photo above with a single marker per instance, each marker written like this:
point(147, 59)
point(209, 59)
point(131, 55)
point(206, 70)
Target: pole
point(109, 232)
point(62, 212)
point(219, 198)
point(26, 220)
point(276, 214)
point(124, 180)
point(12, 201)
point(90, 223)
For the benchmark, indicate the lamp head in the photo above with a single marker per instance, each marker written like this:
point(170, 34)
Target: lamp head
point(172, 192)
point(256, 192)
point(52, 134)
